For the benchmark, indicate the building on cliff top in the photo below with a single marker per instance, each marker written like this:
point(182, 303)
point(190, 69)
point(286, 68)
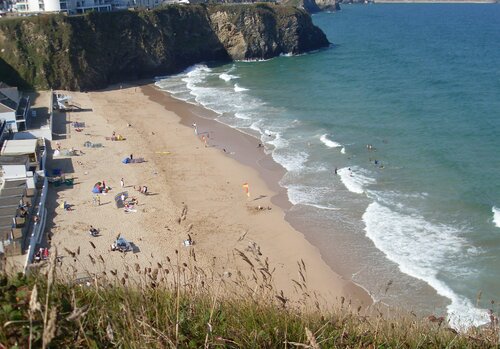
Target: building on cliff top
point(66, 6)
point(72, 7)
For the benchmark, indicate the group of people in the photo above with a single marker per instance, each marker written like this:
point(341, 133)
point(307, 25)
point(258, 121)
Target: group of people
point(141, 189)
point(42, 254)
point(100, 188)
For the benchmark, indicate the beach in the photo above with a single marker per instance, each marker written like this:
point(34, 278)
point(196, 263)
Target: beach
point(196, 178)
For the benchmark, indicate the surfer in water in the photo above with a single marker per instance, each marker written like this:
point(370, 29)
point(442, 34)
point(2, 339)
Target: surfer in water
point(336, 170)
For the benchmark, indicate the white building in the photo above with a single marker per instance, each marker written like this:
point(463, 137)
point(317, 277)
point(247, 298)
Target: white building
point(13, 108)
point(68, 6)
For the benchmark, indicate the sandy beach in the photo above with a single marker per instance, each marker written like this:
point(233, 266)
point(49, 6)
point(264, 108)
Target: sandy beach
point(195, 184)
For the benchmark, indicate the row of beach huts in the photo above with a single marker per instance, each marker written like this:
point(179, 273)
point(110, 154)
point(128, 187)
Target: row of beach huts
point(25, 134)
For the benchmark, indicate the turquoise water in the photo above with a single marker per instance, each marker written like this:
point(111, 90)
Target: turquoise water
point(406, 106)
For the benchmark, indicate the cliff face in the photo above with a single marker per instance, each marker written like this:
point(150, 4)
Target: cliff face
point(313, 6)
point(328, 5)
point(94, 50)
point(264, 31)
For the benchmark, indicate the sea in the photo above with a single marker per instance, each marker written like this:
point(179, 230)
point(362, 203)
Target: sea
point(391, 143)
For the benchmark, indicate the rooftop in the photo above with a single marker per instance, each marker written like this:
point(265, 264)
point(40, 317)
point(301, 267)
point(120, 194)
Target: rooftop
point(7, 105)
point(19, 147)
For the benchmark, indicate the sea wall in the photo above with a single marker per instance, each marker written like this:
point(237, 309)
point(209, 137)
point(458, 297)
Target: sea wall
point(94, 50)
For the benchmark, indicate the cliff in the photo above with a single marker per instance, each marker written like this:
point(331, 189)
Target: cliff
point(313, 6)
point(328, 5)
point(96, 49)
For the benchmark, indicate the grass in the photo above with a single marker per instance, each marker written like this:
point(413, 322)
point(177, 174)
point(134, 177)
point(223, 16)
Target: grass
point(175, 304)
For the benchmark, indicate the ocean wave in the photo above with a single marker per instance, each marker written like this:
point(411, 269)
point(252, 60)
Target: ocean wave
point(227, 77)
point(310, 196)
point(197, 69)
point(342, 151)
point(496, 216)
point(423, 250)
point(328, 142)
point(242, 116)
point(238, 88)
point(355, 179)
point(290, 160)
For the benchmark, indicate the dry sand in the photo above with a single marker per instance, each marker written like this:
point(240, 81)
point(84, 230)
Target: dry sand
point(179, 172)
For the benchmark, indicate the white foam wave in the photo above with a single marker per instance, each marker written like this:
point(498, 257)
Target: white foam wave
point(290, 160)
point(197, 69)
point(256, 126)
point(227, 77)
point(238, 88)
point(309, 196)
point(242, 116)
point(328, 142)
point(496, 216)
point(342, 151)
point(423, 250)
point(275, 139)
point(355, 179)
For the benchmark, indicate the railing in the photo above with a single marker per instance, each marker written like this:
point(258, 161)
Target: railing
point(38, 226)
point(51, 108)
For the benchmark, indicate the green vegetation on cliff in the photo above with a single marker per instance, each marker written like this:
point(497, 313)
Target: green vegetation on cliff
point(96, 49)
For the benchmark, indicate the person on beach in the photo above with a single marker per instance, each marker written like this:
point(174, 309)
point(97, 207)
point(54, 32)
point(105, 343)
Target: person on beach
point(336, 170)
point(122, 183)
point(93, 231)
point(131, 156)
point(123, 197)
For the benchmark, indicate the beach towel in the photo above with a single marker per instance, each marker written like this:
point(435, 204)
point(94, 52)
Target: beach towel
point(115, 138)
point(136, 161)
point(77, 124)
point(88, 144)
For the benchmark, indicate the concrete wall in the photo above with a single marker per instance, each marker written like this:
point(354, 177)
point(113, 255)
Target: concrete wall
point(32, 134)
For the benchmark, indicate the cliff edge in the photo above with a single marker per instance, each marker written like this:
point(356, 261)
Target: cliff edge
point(97, 49)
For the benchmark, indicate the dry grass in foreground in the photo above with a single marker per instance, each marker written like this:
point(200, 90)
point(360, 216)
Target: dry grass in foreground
point(175, 304)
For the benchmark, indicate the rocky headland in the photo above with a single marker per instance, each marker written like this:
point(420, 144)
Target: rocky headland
point(97, 49)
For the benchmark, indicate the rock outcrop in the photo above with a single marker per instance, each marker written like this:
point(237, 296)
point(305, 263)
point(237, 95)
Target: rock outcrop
point(264, 31)
point(94, 50)
point(328, 5)
point(313, 6)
